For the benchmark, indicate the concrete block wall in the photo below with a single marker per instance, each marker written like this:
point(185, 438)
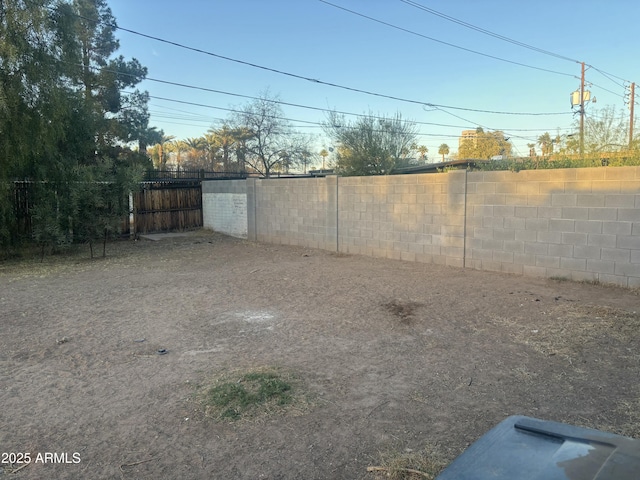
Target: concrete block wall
point(582, 224)
point(299, 211)
point(406, 217)
point(224, 207)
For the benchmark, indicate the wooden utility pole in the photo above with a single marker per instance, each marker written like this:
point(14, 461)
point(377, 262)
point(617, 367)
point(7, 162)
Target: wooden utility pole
point(631, 104)
point(582, 111)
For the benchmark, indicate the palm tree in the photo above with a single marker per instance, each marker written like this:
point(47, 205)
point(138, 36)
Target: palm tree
point(195, 146)
point(224, 139)
point(324, 154)
point(210, 148)
point(443, 150)
point(154, 153)
point(546, 144)
point(242, 136)
point(423, 151)
point(179, 146)
point(161, 149)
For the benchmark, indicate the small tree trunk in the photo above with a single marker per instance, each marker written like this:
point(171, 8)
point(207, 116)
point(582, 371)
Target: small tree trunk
point(91, 248)
point(104, 244)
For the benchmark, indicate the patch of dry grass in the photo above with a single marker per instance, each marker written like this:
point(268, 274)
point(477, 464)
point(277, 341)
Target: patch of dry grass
point(573, 328)
point(631, 411)
point(75, 258)
point(408, 465)
point(573, 331)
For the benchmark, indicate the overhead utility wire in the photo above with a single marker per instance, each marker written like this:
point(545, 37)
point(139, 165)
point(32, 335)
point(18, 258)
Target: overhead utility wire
point(308, 107)
point(280, 102)
point(610, 77)
point(443, 42)
point(487, 32)
point(313, 124)
point(308, 122)
point(321, 109)
point(508, 132)
point(412, 3)
point(606, 90)
point(355, 89)
point(434, 105)
point(335, 85)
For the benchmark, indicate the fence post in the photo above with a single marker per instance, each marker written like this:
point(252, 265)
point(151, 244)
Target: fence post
point(132, 221)
point(252, 223)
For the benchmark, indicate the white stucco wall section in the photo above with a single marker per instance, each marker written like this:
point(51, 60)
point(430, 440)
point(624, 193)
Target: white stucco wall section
point(225, 213)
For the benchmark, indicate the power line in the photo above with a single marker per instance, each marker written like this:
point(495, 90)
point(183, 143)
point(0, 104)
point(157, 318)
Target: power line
point(606, 90)
point(436, 106)
point(412, 3)
point(610, 76)
point(231, 110)
point(335, 85)
point(280, 102)
point(369, 116)
point(443, 42)
point(433, 105)
point(159, 114)
point(308, 123)
point(487, 32)
point(440, 108)
point(486, 127)
point(308, 107)
point(312, 124)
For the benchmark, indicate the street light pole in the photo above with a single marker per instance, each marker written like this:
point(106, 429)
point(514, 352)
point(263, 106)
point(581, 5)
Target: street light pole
point(323, 154)
point(582, 111)
point(631, 104)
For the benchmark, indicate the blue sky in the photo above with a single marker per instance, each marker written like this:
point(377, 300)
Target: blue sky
point(313, 39)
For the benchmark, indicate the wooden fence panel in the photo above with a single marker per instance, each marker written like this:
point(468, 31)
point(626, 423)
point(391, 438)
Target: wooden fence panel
point(158, 207)
point(162, 207)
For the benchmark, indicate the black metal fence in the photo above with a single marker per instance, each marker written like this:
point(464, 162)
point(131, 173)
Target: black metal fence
point(167, 200)
point(21, 196)
point(178, 175)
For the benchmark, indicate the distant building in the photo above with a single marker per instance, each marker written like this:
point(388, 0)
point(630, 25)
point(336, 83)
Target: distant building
point(468, 135)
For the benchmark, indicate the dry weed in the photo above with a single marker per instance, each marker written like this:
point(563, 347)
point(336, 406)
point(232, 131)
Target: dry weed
point(408, 465)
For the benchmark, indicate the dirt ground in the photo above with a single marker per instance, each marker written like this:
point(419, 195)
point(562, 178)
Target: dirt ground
point(394, 356)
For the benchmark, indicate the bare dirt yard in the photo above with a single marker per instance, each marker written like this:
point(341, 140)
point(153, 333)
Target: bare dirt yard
point(107, 363)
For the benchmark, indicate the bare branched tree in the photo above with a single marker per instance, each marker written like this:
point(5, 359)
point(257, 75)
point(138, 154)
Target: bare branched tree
point(270, 143)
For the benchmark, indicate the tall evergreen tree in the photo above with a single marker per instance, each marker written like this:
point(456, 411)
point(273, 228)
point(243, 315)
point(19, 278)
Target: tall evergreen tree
point(61, 84)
